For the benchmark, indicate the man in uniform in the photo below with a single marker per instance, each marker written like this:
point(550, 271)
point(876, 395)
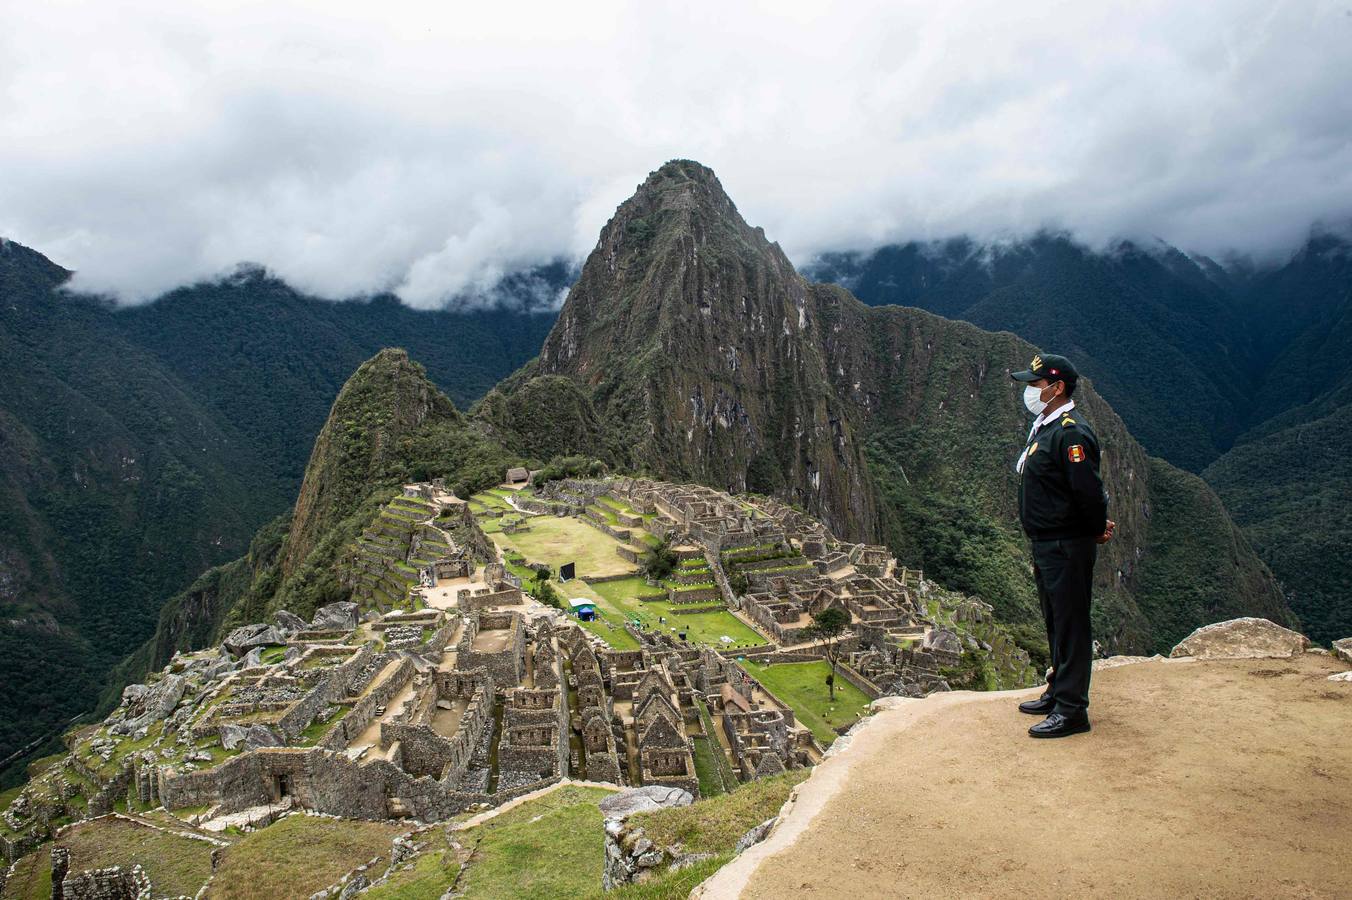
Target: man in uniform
point(1064, 511)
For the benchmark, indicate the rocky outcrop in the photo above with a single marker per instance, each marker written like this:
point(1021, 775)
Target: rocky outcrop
point(1246, 638)
point(630, 854)
point(288, 622)
point(248, 738)
point(247, 637)
point(644, 799)
point(1343, 649)
point(341, 616)
point(143, 705)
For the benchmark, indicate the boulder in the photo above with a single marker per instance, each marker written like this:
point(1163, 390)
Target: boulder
point(1342, 676)
point(246, 637)
point(754, 836)
point(1343, 649)
point(289, 622)
point(248, 738)
point(1246, 638)
point(943, 640)
point(643, 799)
point(219, 666)
point(156, 702)
point(341, 616)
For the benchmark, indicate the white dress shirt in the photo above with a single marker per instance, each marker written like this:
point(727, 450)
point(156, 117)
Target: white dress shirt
point(1047, 416)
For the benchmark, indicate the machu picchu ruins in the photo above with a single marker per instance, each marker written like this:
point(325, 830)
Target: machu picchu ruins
point(452, 682)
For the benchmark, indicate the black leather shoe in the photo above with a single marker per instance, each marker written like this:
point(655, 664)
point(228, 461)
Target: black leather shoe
point(1058, 725)
point(1039, 707)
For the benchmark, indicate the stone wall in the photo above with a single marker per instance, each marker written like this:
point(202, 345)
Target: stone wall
point(318, 780)
point(871, 690)
point(423, 750)
point(697, 595)
point(363, 712)
point(506, 665)
point(511, 596)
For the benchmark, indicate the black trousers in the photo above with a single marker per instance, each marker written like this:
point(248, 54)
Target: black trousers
point(1064, 572)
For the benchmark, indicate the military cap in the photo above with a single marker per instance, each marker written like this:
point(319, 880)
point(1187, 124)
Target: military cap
point(1048, 366)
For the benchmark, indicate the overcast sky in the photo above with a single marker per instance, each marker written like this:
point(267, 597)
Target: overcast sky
point(427, 148)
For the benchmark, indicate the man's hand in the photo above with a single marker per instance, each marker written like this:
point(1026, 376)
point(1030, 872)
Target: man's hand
point(1107, 533)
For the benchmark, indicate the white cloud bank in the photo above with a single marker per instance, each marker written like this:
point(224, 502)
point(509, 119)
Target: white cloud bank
point(428, 148)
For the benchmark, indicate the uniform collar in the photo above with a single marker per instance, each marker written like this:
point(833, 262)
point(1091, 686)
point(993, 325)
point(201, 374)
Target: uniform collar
point(1047, 417)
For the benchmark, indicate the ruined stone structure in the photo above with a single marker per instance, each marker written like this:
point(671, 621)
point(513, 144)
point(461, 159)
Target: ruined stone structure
point(407, 710)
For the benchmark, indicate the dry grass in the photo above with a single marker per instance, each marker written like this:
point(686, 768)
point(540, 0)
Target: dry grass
point(297, 856)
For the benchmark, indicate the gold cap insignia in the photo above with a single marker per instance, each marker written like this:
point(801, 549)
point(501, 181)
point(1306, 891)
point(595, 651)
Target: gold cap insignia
point(1036, 363)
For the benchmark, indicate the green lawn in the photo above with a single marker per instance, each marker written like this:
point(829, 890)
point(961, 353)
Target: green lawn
point(491, 500)
point(621, 598)
point(803, 687)
point(716, 825)
point(553, 846)
point(426, 878)
point(554, 540)
point(31, 878)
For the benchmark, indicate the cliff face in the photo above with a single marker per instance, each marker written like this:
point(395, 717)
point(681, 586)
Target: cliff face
point(704, 355)
point(701, 348)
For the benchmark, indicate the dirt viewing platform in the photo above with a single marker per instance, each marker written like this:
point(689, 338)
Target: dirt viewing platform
point(1226, 778)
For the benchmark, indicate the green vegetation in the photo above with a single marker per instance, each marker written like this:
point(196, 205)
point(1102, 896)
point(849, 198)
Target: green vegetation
point(621, 598)
point(716, 826)
point(426, 878)
point(31, 876)
point(1290, 490)
point(803, 687)
point(555, 540)
point(548, 847)
point(711, 763)
point(1212, 576)
point(826, 628)
point(263, 864)
point(659, 561)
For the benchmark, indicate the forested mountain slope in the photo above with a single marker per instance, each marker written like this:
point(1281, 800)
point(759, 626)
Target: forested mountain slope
point(139, 447)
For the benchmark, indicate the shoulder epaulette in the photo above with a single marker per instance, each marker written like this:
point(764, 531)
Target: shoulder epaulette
point(1067, 420)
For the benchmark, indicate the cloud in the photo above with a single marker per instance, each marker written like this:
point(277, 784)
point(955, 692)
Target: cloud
point(430, 149)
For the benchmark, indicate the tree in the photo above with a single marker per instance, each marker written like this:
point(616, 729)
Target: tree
point(739, 583)
point(543, 591)
point(659, 562)
point(827, 627)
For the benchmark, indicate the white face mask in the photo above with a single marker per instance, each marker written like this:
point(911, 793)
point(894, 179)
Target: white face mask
point(1032, 398)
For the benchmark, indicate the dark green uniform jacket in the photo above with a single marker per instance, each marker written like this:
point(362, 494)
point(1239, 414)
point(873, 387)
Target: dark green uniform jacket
point(1060, 492)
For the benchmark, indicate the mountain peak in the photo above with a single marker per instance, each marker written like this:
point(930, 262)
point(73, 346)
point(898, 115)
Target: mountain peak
point(24, 270)
point(369, 441)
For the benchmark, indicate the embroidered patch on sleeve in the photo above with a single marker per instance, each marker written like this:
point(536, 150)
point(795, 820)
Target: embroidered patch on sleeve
point(1076, 453)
